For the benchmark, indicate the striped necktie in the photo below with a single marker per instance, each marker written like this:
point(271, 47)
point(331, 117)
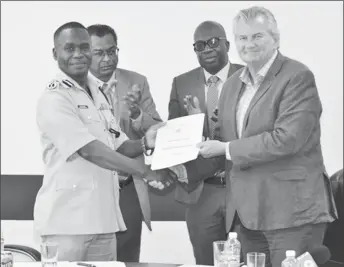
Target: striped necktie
point(109, 95)
point(212, 100)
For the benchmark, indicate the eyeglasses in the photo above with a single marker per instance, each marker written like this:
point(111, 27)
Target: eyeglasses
point(212, 43)
point(112, 52)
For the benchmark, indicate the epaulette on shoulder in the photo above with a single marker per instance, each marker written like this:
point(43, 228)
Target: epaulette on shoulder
point(53, 85)
point(66, 83)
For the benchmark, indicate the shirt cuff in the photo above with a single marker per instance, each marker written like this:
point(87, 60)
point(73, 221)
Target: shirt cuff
point(148, 159)
point(228, 156)
point(180, 171)
point(136, 123)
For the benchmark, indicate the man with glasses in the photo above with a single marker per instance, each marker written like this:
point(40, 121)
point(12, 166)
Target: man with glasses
point(134, 109)
point(205, 212)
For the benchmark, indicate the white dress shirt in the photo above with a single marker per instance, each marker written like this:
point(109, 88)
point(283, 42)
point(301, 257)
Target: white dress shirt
point(248, 94)
point(222, 75)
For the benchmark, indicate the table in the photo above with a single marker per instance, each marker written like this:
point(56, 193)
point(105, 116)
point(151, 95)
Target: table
point(107, 264)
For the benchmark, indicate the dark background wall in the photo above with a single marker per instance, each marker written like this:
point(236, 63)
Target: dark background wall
point(18, 193)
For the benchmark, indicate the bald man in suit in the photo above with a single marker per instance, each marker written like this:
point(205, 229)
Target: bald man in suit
point(205, 202)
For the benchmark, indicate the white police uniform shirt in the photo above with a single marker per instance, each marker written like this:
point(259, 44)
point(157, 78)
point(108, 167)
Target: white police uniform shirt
point(77, 196)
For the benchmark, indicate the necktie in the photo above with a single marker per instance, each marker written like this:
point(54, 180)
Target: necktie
point(212, 99)
point(109, 95)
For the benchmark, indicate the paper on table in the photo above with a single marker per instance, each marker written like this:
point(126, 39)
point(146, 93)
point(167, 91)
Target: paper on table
point(176, 141)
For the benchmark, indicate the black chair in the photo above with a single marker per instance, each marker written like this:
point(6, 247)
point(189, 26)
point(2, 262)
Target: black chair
point(23, 253)
point(334, 236)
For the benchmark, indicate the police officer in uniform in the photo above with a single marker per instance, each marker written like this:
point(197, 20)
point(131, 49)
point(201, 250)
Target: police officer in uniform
point(83, 148)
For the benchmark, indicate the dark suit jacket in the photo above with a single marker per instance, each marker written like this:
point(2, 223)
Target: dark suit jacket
point(192, 83)
point(278, 179)
point(125, 80)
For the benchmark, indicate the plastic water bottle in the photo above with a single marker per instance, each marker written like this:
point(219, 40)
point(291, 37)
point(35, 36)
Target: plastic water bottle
point(233, 248)
point(290, 260)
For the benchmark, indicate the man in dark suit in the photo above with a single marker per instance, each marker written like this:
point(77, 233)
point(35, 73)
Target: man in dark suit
point(129, 95)
point(205, 210)
point(278, 192)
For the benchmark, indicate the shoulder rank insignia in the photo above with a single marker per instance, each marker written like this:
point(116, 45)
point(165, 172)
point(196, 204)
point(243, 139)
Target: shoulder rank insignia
point(53, 85)
point(67, 83)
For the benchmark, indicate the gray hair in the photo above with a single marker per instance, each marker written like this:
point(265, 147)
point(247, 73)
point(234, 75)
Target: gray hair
point(254, 12)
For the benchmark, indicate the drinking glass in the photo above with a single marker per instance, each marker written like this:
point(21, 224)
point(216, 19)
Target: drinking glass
point(255, 259)
point(49, 254)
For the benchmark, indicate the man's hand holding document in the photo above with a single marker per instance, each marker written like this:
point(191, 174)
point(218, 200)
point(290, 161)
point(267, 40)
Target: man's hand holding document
point(176, 141)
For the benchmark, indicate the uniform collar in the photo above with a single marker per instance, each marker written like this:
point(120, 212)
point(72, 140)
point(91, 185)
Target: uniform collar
point(66, 80)
point(222, 74)
point(71, 83)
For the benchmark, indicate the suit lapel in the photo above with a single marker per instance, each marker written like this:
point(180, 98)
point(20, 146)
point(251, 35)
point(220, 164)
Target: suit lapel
point(233, 69)
point(122, 87)
point(236, 96)
point(269, 78)
point(239, 85)
point(200, 91)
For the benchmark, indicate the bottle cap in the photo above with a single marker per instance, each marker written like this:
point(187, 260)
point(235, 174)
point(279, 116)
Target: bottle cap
point(232, 235)
point(290, 253)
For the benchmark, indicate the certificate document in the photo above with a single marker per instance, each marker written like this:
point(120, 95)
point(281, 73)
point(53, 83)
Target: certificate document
point(176, 141)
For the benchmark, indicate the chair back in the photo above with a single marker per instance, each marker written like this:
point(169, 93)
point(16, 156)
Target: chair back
point(23, 253)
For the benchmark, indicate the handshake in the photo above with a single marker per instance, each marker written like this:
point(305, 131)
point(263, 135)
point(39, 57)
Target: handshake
point(161, 179)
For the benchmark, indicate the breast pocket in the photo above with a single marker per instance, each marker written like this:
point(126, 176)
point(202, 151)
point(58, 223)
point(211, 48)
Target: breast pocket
point(94, 124)
point(89, 116)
